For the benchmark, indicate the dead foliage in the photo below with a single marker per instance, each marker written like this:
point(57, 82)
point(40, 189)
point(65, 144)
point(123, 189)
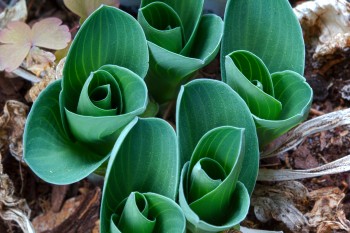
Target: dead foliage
point(290, 202)
point(12, 123)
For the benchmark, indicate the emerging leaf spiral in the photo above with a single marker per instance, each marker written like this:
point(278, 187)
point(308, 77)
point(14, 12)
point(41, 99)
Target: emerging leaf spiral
point(219, 149)
point(148, 212)
point(180, 40)
point(263, 62)
point(75, 122)
point(210, 195)
point(283, 101)
point(141, 181)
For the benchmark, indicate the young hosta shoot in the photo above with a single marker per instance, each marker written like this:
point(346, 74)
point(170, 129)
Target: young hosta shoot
point(262, 59)
point(141, 181)
point(74, 123)
point(180, 40)
point(219, 146)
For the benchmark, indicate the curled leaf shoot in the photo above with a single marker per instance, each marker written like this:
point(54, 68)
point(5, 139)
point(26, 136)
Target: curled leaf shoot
point(147, 212)
point(281, 101)
point(219, 149)
point(181, 41)
point(75, 123)
point(142, 180)
point(264, 63)
point(204, 105)
point(210, 194)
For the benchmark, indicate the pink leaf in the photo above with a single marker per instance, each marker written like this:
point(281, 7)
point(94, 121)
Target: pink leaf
point(12, 55)
point(49, 33)
point(16, 33)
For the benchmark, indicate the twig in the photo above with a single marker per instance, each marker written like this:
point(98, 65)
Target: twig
point(26, 75)
point(316, 112)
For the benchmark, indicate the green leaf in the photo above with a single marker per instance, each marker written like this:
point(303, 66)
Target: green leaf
point(103, 39)
point(269, 29)
point(189, 12)
point(207, 104)
point(236, 213)
point(209, 193)
point(277, 111)
point(100, 129)
point(101, 93)
point(134, 216)
point(242, 70)
point(181, 41)
point(162, 26)
point(295, 95)
point(144, 159)
point(47, 150)
point(151, 212)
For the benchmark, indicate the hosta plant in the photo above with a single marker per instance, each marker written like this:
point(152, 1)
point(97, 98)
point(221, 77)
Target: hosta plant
point(219, 149)
point(141, 181)
point(74, 123)
point(262, 59)
point(181, 41)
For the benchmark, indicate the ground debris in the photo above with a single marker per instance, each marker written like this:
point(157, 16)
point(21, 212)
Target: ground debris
point(289, 202)
point(13, 13)
point(327, 214)
point(326, 25)
point(78, 214)
point(280, 202)
point(12, 123)
point(11, 207)
point(48, 76)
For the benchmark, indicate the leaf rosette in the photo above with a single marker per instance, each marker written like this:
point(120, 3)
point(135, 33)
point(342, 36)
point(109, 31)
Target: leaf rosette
point(221, 150)
point(141, 181)
point(278, 101)
point(264, 63)
point(181, 41)
point(75, 122)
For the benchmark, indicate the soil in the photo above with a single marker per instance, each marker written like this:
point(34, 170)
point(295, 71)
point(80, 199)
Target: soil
point(327, 78)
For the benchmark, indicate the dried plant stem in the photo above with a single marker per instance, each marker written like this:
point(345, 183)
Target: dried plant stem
point(295, 137)
point(26, 75)
point(337, 166)
point(315, 125)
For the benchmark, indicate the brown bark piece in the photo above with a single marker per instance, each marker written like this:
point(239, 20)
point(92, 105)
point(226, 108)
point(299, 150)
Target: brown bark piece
point(57, 198)
point(77, 215)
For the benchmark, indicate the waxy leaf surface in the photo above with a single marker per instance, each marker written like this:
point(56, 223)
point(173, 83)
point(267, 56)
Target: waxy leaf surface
point(144, 159)
point(102, 91)
point(181, 41)
point(269, 29)
point(276, 108)
point(207, 104)
point(209, 193)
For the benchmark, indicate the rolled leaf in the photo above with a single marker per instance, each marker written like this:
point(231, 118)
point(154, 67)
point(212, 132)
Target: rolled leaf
point(206, 104)
point(141, 181)
point(262, 59)
point(269, 29)
point(180, 40)
point(218, 144)
point(157, 214)
point(48, 151)
point(275, 110)
point(102, 90)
